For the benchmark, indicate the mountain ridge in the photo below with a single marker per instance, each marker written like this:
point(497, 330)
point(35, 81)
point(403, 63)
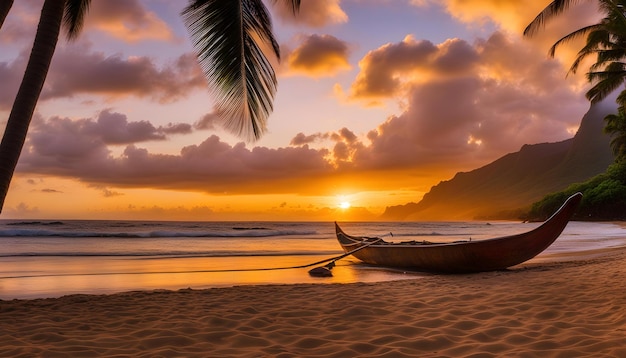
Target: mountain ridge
point(505, 187)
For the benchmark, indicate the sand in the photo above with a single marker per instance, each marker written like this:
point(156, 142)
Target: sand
point(565, 309)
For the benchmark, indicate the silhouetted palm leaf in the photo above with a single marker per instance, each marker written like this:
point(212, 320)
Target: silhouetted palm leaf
point(228, 36)
point(555, 8)
point(74, 16)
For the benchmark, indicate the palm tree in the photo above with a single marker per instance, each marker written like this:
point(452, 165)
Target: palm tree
point(52, 14)
point(606, 40)
point(616, 127)
point(225, 34)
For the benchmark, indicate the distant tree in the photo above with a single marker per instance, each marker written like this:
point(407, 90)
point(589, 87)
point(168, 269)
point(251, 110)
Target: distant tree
point(225, 33)
point(604, 197)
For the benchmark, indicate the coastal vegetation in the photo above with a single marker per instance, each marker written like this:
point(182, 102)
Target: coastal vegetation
point(604, 198)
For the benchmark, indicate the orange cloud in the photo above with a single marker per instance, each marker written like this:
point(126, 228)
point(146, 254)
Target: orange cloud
point(319, 56)
point(127, 20)
point(463, 103)
point(500, 60)
point(514, 16)
point(386, 71)
point(313, 13)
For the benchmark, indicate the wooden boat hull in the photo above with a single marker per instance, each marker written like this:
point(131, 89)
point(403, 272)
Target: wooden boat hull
point(467, 256)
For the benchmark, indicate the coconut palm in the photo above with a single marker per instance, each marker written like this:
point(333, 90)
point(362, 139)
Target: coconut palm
point(226, 35)
point(606, 40)
point(53, 13)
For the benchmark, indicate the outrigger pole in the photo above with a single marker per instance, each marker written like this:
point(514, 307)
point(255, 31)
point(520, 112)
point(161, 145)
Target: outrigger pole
point(324, 271)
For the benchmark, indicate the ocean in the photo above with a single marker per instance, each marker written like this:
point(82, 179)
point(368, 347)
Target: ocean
point(46, 258)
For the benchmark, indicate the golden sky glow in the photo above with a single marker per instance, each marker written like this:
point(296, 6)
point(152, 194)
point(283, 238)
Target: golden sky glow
point(377, 102)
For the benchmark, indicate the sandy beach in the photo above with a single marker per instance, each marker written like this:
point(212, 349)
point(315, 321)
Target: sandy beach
point(563, 309)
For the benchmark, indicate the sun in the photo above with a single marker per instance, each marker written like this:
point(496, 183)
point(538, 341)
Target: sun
point(344, 205)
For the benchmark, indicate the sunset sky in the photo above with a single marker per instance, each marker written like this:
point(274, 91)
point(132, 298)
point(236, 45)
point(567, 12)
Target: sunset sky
point(378, 100)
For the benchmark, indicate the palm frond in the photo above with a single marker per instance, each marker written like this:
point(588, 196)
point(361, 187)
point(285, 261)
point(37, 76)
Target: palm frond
point(555, 8)
point(621, 99)
point(606, 81)
point(585, 31)
point(74, 17)
point(225, 35)
point(615, 10)
point(607, 56)
point(597, 39)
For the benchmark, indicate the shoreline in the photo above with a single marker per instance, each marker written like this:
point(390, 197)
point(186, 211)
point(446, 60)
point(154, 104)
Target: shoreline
point(563, 308)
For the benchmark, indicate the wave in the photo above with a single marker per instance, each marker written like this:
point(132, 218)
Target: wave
point(233, 233)
point(43, 223)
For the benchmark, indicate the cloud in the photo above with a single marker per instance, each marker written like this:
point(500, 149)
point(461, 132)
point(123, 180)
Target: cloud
point(514, 16)
point(127, 20)
point(210, 121)
point(462, 103)
point(52, 191)
point(500, 60)
point(11, 74)
point(386, 71)
point(176, 128)
point(21, 210)
point(88, 138)
point(302, 139)
point(79, 149)
point(106, 192)
point(319, 56)
point(114, 128)
point(20, 24)
point(75, 70)
point(313, 13)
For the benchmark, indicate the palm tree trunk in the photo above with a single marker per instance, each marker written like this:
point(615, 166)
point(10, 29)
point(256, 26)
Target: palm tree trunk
point(5, 6)
point(28, 94)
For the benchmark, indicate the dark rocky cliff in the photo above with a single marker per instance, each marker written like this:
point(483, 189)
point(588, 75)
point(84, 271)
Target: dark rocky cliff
point(513, 182)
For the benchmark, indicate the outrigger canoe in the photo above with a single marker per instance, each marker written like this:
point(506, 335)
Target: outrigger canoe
point(462, 256)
